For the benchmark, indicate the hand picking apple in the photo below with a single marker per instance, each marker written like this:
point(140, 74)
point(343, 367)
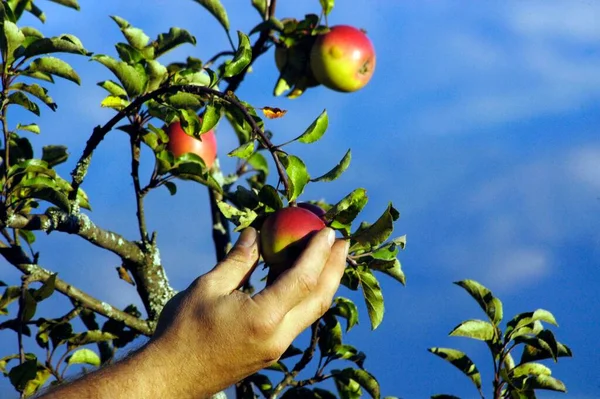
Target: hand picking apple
point(212, 335)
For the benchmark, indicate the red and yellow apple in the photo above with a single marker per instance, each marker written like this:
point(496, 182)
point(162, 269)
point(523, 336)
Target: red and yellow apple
point(181, 143)
point(283, 236)
point(343, 58)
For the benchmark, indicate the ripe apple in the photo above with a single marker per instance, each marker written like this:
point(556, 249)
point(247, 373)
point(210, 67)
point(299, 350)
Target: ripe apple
point(181, 143)
point(343, 59)
point(283, 236)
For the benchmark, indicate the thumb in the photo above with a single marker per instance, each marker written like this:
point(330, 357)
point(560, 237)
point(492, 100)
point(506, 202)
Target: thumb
point(235, 269)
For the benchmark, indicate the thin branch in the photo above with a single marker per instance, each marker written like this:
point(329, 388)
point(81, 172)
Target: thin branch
point(135, 175)
point(18, 258)
point(215, 57)
point(307, 356)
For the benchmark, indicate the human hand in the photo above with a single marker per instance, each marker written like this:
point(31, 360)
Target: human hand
point(212, 335)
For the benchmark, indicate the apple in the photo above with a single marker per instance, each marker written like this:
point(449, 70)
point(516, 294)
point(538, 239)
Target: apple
point(316, 209)
point(181, 143)
point(283, 236)
point(343, 59)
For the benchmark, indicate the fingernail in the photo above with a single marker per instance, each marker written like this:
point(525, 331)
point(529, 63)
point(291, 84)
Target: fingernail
point(347, 246)
point(330, 236)
point(247, 238)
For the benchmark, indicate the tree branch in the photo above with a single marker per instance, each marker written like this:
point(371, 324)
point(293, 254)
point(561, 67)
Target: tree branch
point(78, 174)
point(18, 258)
point(82, 226)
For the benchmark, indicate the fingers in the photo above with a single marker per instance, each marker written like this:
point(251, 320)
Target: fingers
point(298, 282)
point(237, 266)
point(313, 307)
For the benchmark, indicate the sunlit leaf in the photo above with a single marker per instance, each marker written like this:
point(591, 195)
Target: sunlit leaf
point(476, 329)
point(241, 59)
point(491, 305)
point(53, 66)
point(84, 356)
point(461, 361)
point(337, 169)
point(316, 130)
point(217, 10)
point(297, 175)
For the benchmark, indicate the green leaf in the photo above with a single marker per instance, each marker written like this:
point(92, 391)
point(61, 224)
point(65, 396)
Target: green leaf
point(46, 290)
point(32, 127)
point(259, 163)
point(327, 6)
point(54, 154)
point(113, 88)
point(157, 74)
point(129, 54)
point(375, 234)
point(316, 130)
point(21, 374)
point(373, 296)
point(545, 382)
point(135, 36)
point(116, 103)
point(524, 320)
point(46, 189)
point(297, 175)
point(260, 6)
point(337, 170)
point(244, 151)
point(211, 117)
point(241, 218)
point(365, 380)
point(28, 236)
point(348, 352)
point(330, 334)
point(37, 12)
point(270, 198)
point(168, 41)
point(60, 44)
point(461, 361)
point(10, 295)
point(182, 100)
point(347, 388)
point(344, 212)
point(133, 78)
point(491, 305)
point(10, 40)
point(172, 187)
point(241, 59)
point(53, 66)
point(29, 306)
point(41, 376)
point(38, 75)
point(532, 353)
point(544, 341)
point(84, 356)
point(346, 309)
point(530, 368)
point(217, 10)
point(89, 337)
point(19, 98)
point(476, 329)
point(37, 91)
point(68, 3)
point(392, 268)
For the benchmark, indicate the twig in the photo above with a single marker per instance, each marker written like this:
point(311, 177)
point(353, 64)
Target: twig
point(307, 356)
point(135, 175)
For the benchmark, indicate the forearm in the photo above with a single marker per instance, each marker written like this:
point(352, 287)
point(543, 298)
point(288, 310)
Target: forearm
point(147, 373)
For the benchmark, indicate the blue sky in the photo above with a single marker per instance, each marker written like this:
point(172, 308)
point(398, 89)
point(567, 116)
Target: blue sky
point(480, 124)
